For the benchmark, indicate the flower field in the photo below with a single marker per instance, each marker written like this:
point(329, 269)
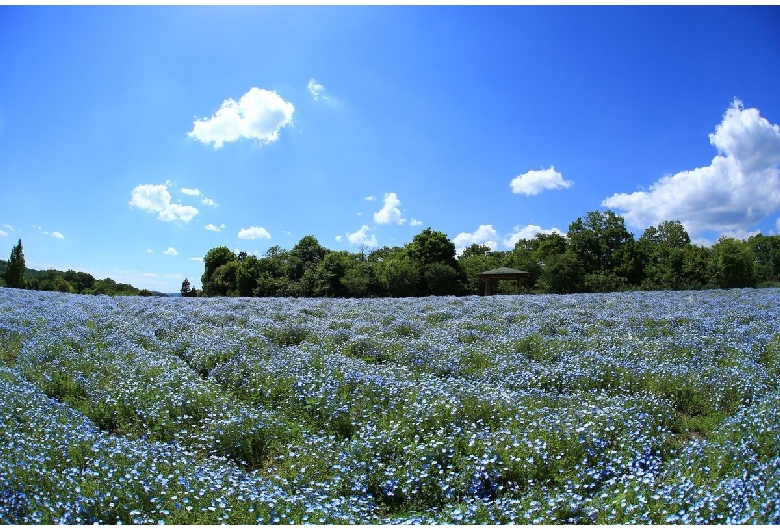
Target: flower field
point(638, 407)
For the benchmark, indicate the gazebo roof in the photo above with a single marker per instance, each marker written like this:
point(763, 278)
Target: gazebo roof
point(503, 271)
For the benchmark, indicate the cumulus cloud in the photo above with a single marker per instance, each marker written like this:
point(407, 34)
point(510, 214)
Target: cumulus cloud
point(361, 238)
point(389, 213)
point(214, 228)
point(209, 202)
point(254, 232)
point(156, 198)
point(527, 232)
point(415, 222)
point(535, 182)
point(170, 252)
point(258, 114)
point(338, 238)
point(484, 235)
point(740, 187)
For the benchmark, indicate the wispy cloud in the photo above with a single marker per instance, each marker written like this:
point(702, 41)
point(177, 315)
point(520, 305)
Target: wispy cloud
point(319, 92)
point(535, 182)
point(156, 198)
point(3, 233)
point(188, 191)
point(55, 235)
point(259, 114)
point(196, 259)
point(740, 187)
point(254, 232)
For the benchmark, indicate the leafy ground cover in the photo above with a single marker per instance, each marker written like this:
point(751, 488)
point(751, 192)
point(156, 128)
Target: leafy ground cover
point(639, 407)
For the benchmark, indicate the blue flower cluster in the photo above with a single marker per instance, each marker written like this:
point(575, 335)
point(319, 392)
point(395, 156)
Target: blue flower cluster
point(640, 407)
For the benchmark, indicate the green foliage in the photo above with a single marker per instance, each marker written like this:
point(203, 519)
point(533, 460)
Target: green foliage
point(14, 271)
point(732, 264)
point(597, 255)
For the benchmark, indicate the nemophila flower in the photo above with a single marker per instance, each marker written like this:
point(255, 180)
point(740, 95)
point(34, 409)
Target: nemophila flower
point(521, 409)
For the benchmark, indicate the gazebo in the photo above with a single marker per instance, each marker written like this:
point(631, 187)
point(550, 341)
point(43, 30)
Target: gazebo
point(501, 273)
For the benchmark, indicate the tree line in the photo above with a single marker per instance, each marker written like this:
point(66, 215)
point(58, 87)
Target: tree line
point(14, 273)
point(598, 254)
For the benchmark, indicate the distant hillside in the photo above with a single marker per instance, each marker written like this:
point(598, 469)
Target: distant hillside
point(71, 281)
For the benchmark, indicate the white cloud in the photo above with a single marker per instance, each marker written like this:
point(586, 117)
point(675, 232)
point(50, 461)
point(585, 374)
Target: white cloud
point(415, 222)
point(741, 234)
point(253, 232)
point(389, 212)
point(361, 238)
point(170, 252)
point(55, 235)
point(740, 187)
point(527, 232)
point(209, 202)
point(3, 233)
point(149, 251)
point(317, 90)
point(258, 114)
point(156, 198)
point(338, 238)
point(8, 227)
point(188, 191)
point(196, 259)
point(369, 198)
point(484, 235)
point(214, 228)
point(534, 182)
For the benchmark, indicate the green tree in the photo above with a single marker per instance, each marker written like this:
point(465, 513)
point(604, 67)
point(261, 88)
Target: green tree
point(247, 273)
point(597, 239)
point(400, 276)
point(432, 247)
point(14, 272)
point(562, 273)
point(306, 253)
point(661, 251)
point(475, 259)
point(215, 258)
point(732, 264)
point(766, 252)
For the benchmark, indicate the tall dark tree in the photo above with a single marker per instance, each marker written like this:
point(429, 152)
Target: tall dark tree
point(185, 287)
point(14, 271)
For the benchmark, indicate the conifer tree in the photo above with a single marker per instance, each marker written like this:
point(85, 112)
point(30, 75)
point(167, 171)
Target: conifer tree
point(14, 272)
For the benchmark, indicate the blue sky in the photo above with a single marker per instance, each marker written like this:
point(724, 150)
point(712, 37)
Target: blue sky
point(134, 139)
